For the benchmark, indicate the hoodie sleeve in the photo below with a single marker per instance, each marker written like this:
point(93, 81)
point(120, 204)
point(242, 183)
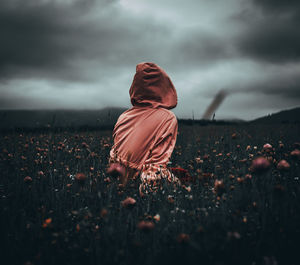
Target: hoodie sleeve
point(164, 143)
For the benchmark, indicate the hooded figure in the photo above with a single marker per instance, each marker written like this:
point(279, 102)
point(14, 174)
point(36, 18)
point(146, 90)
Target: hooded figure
point(145, 135)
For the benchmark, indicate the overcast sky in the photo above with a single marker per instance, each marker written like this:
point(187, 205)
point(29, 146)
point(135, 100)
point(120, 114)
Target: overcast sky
point(81, 54)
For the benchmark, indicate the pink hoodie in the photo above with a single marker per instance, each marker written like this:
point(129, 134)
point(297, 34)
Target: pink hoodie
point(145, 135)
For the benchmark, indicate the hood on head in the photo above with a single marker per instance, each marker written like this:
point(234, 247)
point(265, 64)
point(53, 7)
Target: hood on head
point(152, 87)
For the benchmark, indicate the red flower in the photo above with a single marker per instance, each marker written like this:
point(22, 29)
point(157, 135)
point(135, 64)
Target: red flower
point(283, 165)
point(128, 202)
point(146, 226)
point(103, 213)
point(116, 170)
point(27, 179)
point(295, 153)
point(182, 174)
point(219, 186)
point(84, 145)
point(47, 222)
point(267, 147)
point(260, 165)
point(81, 178)
point(183, 238)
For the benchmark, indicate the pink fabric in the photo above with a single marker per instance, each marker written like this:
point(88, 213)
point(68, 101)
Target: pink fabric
point(145, 135)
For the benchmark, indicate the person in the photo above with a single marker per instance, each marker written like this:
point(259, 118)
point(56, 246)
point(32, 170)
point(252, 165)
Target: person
point(145, 135)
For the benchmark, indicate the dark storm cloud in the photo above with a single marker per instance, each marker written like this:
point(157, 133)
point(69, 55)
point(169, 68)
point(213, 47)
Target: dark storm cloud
point(197, 47)
point(283, 87)
point(63, 41)
point(82, 53)
point(279, 5)
point(271, 31)
point(38, 35)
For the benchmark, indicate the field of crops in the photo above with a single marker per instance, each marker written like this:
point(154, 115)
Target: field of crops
point(59, 206)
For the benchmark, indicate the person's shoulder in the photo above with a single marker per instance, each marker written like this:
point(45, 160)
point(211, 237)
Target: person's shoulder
point(169, 114)
point(166, 115)
point(125, 113)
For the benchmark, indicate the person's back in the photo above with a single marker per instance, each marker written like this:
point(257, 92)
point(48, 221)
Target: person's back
point(145, 135)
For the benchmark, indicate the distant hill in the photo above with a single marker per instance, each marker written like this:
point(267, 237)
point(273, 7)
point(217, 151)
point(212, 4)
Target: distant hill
point(107, 117)
point(285, 116)
point(32, 119)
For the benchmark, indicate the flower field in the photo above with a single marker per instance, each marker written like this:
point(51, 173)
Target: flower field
point(239, 202)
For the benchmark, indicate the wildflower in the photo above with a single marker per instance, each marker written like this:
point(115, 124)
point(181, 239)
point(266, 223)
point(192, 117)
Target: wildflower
point(234, 235)
point(84, 145)
point(128, 202)
point(47, 222)
point(240, 180)
point(81, 178)
point(146, 226)
point(296, 145)
point(170, 199)
point(103, 213)
point(116, 170)
point(182, 174)
point(183, 238)
point(267, 147)
point(205, 157)
point(156, 217)
point(295, 153)
point(219, 186)
point(248, 176)
point(260, 165)
point(283, 165)
point(198, 160)
point(188, 188)
point(27, 179)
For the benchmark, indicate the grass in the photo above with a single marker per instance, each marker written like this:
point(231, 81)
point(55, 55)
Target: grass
point(51, 218)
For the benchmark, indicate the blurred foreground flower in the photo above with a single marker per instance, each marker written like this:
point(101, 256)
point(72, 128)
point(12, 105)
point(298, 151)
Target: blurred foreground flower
point(146, 226)
point(260, 165)
point(295, 153)
point(234, 235)
point(103, 213)
point(47, 222)
point(116, 170)
point(128, 202)
point(182, 174)
point(267, 147)
point(81, 178)
point(283, 165)
point(234, 136)
point(27, 179)
point(219, 186)
point(156, 217)
point(183, 238)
